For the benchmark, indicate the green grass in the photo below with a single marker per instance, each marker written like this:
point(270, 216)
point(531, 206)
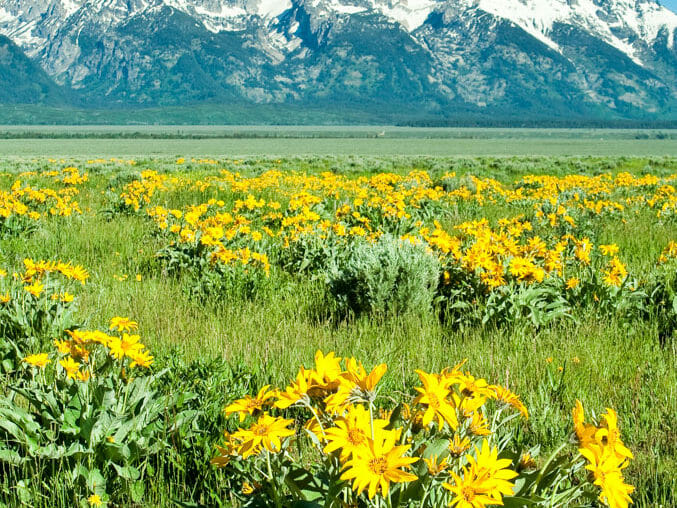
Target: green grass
point(622, 365)
point(241, 141)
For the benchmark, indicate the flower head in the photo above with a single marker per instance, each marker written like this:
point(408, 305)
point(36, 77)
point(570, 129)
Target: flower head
point(484, 481)
point(38, 360)
point(379, 463)
point(433, 395)
point(248, 405)
point(267, 432)
point(123, 324)
point(70, 366)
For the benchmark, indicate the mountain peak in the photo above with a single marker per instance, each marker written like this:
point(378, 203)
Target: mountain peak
point(579, 56)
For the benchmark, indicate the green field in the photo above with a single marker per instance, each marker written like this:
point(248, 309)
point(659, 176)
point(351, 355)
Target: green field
point(240, 141)
point(224, 332)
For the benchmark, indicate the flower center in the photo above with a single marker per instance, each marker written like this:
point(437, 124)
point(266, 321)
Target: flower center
point(355, 437)
point(378, 465)
point(260, 430)
point(433, 401)
point(253, 404)
point(468, 493)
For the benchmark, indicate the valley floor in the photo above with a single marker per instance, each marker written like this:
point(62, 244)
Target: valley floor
point(238, 269)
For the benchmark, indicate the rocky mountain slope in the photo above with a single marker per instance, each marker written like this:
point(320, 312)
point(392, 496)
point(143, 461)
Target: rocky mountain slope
point(24, 82)
point(580, 58)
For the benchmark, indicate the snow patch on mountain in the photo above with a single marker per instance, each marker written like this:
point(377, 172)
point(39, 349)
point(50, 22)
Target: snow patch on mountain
point(645, 18)
point(5, 15)
point(272, 8)
point(347, 9)
point(411, 14)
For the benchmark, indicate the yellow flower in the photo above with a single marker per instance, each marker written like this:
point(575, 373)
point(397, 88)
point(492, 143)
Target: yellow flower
point(609, 436)
point(129, 345)
point(70, 366)
point(63, 346)
point(38, 360)
point(141, 358)
point(616, 273)
point(351, 432)
point(66, 297)
point(585, 433)
point(434, 396)
point(122, 324)
point(609, 250)
point(606, 470)
point(354, 384)
point(94, 500)
point(35, 289)
point(327, 371)
point(572, 283)
point(6, 298)
point(296, 391)
point(527, 462)
point(225, 453)
point(458, 446)
point(356, 374)
point(248, 405)
point(267, 432)
point(435, 467)
point(484, 481)
point(378, 464)
point(479, 426)
point(526, 270)
point(583, 250)
point(475, 391)
point(510, 398)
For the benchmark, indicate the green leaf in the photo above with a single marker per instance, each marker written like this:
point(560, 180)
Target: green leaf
point(127, 472)
point(11, 457)
point(137, 491)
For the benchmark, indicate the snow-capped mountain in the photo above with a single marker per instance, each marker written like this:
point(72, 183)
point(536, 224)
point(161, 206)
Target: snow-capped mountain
point(583, 57)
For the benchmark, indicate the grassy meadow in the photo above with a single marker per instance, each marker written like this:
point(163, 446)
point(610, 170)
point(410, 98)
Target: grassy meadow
point(274, 264)
point(363, 141)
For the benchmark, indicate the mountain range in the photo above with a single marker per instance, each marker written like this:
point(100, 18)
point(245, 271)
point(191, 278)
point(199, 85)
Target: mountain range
point(607, 59)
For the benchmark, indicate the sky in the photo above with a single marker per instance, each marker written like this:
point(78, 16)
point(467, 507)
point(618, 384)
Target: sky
point(670, 4)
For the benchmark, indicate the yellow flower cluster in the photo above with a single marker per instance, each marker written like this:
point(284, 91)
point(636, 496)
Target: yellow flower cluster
point(280, 208)
point(606, 454)
point(670, 252)
point(214, 231)
point(139, 192)
point(375, 452)
point(513, 251)
point(34, 284)
point(77, 351)
point(37, 269)
point(34, 203)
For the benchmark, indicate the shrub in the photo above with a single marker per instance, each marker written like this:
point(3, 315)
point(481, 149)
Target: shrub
point(390, 275)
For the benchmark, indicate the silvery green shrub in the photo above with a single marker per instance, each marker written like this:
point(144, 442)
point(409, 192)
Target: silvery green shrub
point(390, 275)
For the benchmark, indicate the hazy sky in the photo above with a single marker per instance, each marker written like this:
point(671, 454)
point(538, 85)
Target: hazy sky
point(671, 4)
